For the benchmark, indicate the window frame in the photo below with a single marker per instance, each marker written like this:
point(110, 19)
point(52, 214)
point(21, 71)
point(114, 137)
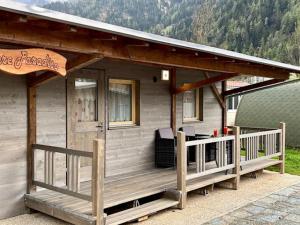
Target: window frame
point(134, 104)
point(231, 107)
point(199, 107)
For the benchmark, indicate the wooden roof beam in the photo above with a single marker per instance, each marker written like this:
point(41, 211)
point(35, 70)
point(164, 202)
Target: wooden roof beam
point(202, 83)
point(20, 34)
point(176, 59)
point(252, 87)
point(80, 62)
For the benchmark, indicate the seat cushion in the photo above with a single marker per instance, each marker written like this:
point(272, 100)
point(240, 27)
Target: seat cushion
point(188, 130)
point(166, 133)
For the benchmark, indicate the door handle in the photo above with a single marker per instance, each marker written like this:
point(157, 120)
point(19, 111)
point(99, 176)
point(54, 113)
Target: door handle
point(101, 127)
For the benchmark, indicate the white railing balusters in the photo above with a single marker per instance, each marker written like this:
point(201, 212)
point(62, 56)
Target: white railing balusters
point(198, 158)
point(221, 155)
point(272, 142)
point(203, 157)
point(73, 170)
point(268, 141)
point(49, 167)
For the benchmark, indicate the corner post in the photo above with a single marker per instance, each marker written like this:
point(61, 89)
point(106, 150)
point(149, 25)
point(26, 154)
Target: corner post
point(237, 157)
point(31, 136)
point(282, 143)
point(224, 109)
point(181, 168)
point(173, 100)
point(98, 181)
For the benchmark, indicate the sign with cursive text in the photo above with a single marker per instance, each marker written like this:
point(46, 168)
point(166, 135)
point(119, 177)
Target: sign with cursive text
point(26, 61)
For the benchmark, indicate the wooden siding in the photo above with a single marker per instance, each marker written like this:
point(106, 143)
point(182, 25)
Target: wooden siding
point(212, 112)
point(132, 149)
point(128, 149)
point(51, 124)
point(13, 141)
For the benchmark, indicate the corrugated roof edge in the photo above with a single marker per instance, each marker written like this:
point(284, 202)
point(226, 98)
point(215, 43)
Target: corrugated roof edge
point(50, 15)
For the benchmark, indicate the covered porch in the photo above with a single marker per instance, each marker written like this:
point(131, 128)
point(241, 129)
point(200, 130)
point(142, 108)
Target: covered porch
point(75, 178)
point(135, 196)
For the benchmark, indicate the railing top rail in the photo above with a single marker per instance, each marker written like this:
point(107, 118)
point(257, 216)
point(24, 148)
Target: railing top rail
point(209, 140)
point(278, 131)
point(62, 150)
point(255, 128)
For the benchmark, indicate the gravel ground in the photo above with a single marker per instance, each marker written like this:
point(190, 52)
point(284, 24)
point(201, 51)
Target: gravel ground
point(200, 209)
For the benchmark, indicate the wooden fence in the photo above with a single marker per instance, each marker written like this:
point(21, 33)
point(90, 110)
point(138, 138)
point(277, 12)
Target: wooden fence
point(246, 148)
point(221, 145)
point(261, 145)
point(72, 187)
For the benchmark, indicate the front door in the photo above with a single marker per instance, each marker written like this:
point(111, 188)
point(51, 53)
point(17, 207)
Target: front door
point(86, 113)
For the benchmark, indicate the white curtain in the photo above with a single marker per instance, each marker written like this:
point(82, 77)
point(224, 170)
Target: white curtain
point(119, 102)
point(189, 104)
point(86, 100)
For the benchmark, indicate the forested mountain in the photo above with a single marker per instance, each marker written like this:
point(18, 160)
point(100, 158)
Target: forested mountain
point(167, 17)
point(266, 28)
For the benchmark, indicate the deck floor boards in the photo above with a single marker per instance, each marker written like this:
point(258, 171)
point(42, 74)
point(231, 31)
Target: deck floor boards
point(129, 187)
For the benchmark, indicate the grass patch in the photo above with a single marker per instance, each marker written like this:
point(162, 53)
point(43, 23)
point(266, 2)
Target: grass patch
point(292, 162)
point(243, 153)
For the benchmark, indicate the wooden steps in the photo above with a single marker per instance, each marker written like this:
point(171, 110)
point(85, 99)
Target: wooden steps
point(140, 211)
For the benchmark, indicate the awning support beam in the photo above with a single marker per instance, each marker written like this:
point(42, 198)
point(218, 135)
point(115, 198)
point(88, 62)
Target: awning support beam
point(202, 83)
point(252, 87)
point(216, 93)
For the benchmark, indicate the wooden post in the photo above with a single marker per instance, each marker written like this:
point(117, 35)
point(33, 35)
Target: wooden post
point(181, 168)
point(282, 143)
point(237, 157)
point(98, 181)
point(31, 137)
point(173, 100)
point(224, 109)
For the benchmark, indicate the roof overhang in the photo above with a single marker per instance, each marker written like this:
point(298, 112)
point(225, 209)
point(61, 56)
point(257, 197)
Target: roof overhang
point(59, 31)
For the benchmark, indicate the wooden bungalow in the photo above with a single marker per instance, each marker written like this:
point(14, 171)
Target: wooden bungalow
point(80, 102)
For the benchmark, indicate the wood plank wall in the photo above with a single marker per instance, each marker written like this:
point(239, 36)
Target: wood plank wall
point(127, 150)
point(132, 149)
point(212, 112)
point(13, 145)
point(51, 124)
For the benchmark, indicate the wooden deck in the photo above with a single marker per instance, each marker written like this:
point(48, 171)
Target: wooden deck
point(126, 189)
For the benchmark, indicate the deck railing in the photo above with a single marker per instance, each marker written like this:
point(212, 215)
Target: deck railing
point(73, 170)
point(223, 161)
point(73, 166)
point(246, 148)
point(261, 145)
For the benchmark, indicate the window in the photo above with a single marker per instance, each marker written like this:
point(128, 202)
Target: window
point(193, 105)
point(122, 102)
point(233, 102)
point(86, 100)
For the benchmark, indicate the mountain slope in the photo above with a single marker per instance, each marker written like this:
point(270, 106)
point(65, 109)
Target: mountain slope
point(265, 28)
point(167, 17)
